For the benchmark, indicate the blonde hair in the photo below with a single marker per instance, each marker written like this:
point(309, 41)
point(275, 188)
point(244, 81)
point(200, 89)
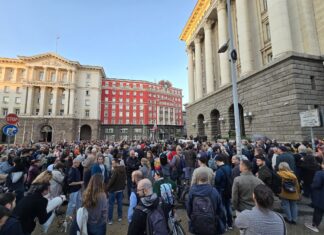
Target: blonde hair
point(284, 166)
point(145, 162)
point(43, 178)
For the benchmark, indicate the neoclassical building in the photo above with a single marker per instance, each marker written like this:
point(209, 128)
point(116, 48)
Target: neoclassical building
point(55, 98)
point(280, 45)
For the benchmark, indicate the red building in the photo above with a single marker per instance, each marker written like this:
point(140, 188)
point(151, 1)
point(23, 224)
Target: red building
point(130, 108)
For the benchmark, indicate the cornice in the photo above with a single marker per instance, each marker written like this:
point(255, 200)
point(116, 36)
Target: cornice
point(195, 18)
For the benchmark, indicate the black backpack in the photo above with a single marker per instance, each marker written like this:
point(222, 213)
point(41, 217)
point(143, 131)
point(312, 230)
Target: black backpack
point(203, 217)
point(155, 220)
point(276, 183)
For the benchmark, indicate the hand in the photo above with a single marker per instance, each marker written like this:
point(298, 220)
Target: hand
point(63, 197)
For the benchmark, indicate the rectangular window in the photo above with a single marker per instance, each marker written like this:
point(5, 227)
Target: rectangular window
point(87, 113)
point(109, 130)
point(6, 99)
point(113, 106)
point(113, 99)
point(61, 112)
point(37, 112)
point(313, 84)
point(6, 89)
point(141, 114)
point(127, 114)
point(127, 121)
point(106, 92)
point(87, 102)
point(17, 111)
point(268, 33)
point(18, 100)
point(123, 130)
point(113, 113)
point(106, 114)
point(120, 92)
point(87, 92)
point(41, 76)
point(120, 114)
point(134, 121)
point(53, 77)
point(112, 121)
point(120, 99)
point(4, 111)
point(127, 107)
point(127, 100)
point(141, 100)
point(120, 106)
point(88, 75)
point(18, 90)
point(137, 130)
point(49, 112)
point(134, 114)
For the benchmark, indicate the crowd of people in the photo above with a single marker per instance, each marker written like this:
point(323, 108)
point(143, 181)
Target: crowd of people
point(86, 180)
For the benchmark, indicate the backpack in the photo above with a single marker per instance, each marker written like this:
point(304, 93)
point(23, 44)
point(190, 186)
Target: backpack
point(289, 186)
point(227, 193)
point(276, 183)
point(166, 193)
point(203, 217)
point(155, 220)
point(211, 162)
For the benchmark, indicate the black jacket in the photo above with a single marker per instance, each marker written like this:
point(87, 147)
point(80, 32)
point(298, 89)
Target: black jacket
point(132, 164)
point(30, 207)
point(118, 179)
point(11, 227)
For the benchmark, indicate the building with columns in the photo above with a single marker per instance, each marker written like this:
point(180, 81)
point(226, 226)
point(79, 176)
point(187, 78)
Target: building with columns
point(131, 108)
point(280, 47)
point(55, 98)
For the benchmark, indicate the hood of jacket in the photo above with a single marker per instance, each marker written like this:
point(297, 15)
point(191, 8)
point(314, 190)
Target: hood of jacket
point(150, 201)
point(201, 189)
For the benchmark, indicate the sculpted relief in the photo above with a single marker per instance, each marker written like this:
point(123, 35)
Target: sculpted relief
point(53, 63)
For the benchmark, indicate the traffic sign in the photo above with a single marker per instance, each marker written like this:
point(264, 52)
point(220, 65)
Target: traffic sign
point(10, 130)
point(310, 118)
point(12, 118)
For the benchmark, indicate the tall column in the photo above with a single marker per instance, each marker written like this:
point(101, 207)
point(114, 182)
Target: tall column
point(71, 106)
point(56, 75)
point(66, 102)
point(73, 76)
point(280, 29)
point(26, 74)
point(42, 101)
point(308, 27)
point(54, 104)
point(163, 115)
point(244, 35)
point(15, 74)
point(209, 56)
point(31, 78)
point(222, 39)
point(191, 75)
point(30, 100)
point(198, 66)
point(2, 78)
point(45, 74)
point(169, 116)
point(174, 117)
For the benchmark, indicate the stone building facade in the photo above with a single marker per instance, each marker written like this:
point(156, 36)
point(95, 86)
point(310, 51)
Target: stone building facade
point(55, 98)
point(280, 45)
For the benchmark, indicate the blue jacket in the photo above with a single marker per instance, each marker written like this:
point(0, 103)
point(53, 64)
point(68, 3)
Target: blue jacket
point(204, 190)
point(220, 177)
point(318, 190)
point(95, 169)
point(11, 227)
point(286, 157)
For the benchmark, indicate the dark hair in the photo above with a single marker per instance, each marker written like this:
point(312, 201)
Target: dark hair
point(264, 196)
point(38, 188)
point(6, 198)
point(4, 212)
point(159, 173)
point(247, 164)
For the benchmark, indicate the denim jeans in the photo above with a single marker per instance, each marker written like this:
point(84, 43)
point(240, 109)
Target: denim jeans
point(188, 173)
point(74, 203)
point(97, 229)
point(228, 210)
point(119, 197)
point(290, 209)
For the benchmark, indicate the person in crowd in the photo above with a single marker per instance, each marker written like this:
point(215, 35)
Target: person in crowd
point(5, 167)
point(100, 167)
point(203, 205)
point(95, 201)
point(261, 219)
point(190, 160)
point(264, 173)
point(148, 201)
point(177, 165)
point(285, 156)
point(290, 192)
point(57, 180)
point(202, 162)
point(108, 158)
point(317, 199)
point(236, 166)
point(165, 165)
point(4, 215)
point(33, 171)
point(223, 184)
point(16, 178)
point(134, 199)
point(150, 158)
point(74, 182)
point(145, 168)
point(132, 164)
point(243, 187)
point(115, 188)
point(12, 225)
point(33, 206)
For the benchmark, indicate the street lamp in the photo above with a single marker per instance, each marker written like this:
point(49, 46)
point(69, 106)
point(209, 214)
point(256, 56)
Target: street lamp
point(233, 57)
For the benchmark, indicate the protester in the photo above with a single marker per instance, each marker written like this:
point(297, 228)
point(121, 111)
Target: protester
point(57, 180)
point(202, 162)
point(261, 219)
point(134, 199)
point(264, 173)
point(16, 178)
point(132, 164)
point(290, 192)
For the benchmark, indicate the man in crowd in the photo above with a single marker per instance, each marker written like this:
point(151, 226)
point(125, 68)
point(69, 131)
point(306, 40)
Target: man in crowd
point(285, 156)
point(202, 162)
point(264, 173)
point(132, 164)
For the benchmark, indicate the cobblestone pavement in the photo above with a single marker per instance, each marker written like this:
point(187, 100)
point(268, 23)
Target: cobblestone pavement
point(120, 228)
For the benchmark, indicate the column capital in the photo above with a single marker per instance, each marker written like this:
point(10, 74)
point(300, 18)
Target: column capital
point(189, 49)
point(221, 5)
point(197, 39)
point(208, 24)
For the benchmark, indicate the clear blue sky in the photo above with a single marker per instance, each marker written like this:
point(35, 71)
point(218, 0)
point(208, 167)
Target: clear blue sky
point(131, 39)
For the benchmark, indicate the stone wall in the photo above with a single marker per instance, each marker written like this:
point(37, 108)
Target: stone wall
point(275, 95)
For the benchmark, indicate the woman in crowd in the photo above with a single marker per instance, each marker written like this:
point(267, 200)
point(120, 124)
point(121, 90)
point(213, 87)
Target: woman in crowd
point(100, 167)
point(57, 180)
point(290, 192)
point(145, 168)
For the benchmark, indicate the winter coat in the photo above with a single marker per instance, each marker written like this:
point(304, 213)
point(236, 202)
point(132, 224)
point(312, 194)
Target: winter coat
point(318, 190)
point(285, 176)
point(117, 181)
point(265, 175)
point(132, 164)
point(286, 157)
point(95, 169)
point(308, 167)
point(11, 227)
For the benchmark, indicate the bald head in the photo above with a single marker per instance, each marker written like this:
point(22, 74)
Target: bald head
point(145, 186)
point(137, 176)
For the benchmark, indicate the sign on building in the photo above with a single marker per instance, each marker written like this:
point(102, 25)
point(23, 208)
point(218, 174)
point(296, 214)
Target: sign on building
point(310, 118)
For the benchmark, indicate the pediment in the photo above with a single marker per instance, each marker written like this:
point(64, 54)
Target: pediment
point(49, 60)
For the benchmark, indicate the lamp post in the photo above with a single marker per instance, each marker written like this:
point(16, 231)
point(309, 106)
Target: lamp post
point(233, 58)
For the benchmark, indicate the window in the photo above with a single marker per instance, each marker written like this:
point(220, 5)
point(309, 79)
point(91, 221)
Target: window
point(134, 114)
point(120, 106)
point(141, 100)
point(120, 114)
point(51, 101)
point(127, 107)
point(106, 92)
point(106, 99)
point(113, 113)
point(113, 106)
point(52, 76)
point(120, 99)
point(127, 114)
point(127, 121)
point(61, 112)
point(127, 100)
point(113, 99)
point(123, 130)
point(63, 101)
point(4, 111)
point(41, 76)
point(134, 121)
point(87, 102)
point(6, 89)
point(267, 33)
point(141, 107)
point(49, 112)
point(114, 92)
point(134, 92)
point(134, 107)
point(37, 112)
point(112, 121)
point(137, 130)
point(141, 114)
point(141, 93)
point(64, 77)
point(88, 75)
point(120, 92)
point(106, 114)
point(87, 113)
point(18, 90)
point(18, 100)
point(17, 111)
point(87, 92)
point(6, 99)
point(269, 57)
point(109, 130)
point(313, 84)
point(127, 93)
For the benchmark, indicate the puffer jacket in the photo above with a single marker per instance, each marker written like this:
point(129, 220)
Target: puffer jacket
point(289, 176)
